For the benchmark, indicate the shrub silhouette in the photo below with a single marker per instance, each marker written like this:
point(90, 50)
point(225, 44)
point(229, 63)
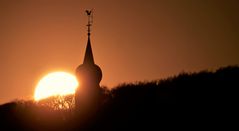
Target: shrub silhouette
point(196, 99)
point(65, 102)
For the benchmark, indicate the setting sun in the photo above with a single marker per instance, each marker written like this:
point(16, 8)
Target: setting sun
point(56, 83)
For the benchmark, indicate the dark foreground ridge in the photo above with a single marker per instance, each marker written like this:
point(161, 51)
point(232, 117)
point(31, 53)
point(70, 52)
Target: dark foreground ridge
point(205, 100)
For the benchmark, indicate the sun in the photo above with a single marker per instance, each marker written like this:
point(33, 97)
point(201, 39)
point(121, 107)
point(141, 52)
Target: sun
point(54, 84)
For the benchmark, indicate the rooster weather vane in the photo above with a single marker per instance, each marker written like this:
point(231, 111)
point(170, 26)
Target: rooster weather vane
point(90, 19)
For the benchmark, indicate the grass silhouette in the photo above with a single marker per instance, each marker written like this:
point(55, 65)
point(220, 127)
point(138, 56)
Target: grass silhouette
point(204, 99)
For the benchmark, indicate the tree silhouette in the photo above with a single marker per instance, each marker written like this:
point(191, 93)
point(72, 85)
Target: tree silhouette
point(59, 102)
point(203, 100)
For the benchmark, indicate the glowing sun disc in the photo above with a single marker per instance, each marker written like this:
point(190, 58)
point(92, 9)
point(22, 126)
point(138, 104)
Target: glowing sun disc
point(56, 83)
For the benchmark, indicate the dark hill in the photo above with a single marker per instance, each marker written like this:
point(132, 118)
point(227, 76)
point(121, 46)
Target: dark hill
point(205, 100)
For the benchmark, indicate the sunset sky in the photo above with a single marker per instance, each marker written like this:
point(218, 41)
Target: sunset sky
point(132, 40)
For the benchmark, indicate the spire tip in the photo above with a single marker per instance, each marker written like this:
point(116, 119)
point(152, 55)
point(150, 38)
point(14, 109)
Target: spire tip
point(90, 20)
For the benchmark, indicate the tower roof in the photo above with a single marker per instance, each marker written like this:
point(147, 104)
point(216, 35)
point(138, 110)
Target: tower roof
point(89, 73)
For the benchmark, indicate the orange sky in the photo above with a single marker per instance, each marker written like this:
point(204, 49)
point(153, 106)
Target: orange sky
point(132, 40)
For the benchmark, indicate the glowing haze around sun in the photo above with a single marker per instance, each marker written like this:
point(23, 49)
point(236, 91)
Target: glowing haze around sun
point(54, 84)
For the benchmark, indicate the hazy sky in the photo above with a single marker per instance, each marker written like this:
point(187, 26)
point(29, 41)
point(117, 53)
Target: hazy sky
point(132, 40)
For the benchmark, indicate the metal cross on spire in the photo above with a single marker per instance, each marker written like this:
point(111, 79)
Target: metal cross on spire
point(90, 19)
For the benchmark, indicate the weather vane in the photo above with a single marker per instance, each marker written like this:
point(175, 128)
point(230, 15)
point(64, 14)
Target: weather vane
point(90, 19)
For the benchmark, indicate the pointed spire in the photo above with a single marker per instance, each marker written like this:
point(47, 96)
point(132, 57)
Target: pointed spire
point(89, 59)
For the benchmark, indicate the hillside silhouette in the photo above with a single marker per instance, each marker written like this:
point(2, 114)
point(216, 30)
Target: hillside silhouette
point(206, 100)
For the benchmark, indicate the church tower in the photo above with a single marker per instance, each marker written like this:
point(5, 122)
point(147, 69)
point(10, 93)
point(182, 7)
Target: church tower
point(89, 75)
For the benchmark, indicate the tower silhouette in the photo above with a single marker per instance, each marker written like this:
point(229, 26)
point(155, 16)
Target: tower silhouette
point(89, 75)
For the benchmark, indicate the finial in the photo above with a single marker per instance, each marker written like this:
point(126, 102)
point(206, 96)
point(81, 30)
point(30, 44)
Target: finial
point(90, 19)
